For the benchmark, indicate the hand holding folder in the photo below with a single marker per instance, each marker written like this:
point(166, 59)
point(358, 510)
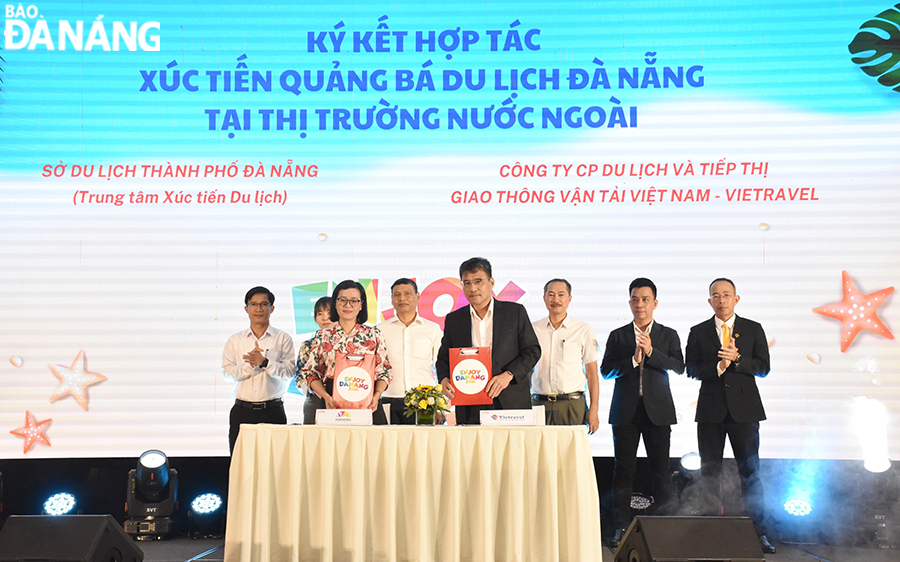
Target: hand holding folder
point(470, 371)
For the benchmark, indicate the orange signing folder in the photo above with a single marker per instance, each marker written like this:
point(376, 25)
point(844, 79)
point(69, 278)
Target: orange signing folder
point(354, 380)
point(470, 371)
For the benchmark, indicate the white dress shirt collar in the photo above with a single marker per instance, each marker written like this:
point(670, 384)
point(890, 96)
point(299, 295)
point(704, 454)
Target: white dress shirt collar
point(729, 322)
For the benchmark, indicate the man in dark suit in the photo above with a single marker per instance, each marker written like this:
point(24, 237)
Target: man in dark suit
point(639, 356)
point(502, 326)
point(726, 353)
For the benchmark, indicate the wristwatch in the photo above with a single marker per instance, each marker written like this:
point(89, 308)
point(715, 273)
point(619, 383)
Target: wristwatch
point(264, 364)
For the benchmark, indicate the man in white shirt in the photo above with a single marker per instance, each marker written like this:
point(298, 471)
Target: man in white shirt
point(568, 358)
point(260, 361)
point(412, 345)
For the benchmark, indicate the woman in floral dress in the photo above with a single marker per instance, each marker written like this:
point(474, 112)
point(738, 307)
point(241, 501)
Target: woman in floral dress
point(349, 335)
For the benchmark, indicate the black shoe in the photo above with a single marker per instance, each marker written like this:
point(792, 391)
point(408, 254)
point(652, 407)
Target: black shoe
point(617, 538)
point(767, 547)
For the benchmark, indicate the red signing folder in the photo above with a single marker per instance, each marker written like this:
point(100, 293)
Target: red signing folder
point(470, 371)
point(354, 380)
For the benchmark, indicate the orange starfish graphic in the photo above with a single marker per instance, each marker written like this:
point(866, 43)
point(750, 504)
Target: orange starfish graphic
point(74, 380)
point(33, 431)
point(857, 312)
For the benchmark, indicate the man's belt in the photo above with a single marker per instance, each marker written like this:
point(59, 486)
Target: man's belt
point(259, 405)
point(557, 397)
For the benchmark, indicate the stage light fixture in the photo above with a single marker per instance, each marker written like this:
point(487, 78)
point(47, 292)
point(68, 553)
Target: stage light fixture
point(59, 504)
point(686, 480)
point(151, 497)
point(206, 518)
point(878, 494)
point(641, 502)
point(877, 465)
point(798, 507)
point(206, 503)
point(691, 461)
point(804, 492)
point(870, 422)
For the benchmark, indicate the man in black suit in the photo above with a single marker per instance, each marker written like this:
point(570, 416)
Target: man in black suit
point(502, 326)
point(639, 356)
point(726, 353)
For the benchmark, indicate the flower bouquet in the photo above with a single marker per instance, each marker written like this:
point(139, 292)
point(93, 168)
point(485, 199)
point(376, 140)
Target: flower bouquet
point(424, 402)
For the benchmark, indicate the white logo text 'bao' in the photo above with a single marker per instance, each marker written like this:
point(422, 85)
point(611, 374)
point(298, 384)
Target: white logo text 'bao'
point(106, 36)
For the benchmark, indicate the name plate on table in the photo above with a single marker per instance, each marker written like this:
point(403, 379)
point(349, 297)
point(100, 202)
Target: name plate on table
point(507, 417)
point(344, 417)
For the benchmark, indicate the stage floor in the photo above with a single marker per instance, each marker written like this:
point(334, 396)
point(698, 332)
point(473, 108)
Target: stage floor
point(182, 549)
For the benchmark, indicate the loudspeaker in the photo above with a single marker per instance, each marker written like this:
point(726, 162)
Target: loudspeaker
point(690, 539)
point(65, 538)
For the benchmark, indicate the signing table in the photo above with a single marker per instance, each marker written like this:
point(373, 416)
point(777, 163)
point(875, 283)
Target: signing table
point(323, 493)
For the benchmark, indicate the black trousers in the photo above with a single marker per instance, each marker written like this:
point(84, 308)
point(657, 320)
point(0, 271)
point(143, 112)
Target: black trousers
point(310, 405)
point(744, 439)
point(240, 414)
point(471, 415)
point(626, 438)
point(397, 409)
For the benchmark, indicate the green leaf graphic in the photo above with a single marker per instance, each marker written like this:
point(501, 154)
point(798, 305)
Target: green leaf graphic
point(888, 70)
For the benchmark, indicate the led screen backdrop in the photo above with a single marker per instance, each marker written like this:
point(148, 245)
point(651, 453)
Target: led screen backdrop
point(157, 160)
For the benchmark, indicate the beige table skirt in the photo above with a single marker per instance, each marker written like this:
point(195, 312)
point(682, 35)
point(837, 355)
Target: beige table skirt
point(415, 494)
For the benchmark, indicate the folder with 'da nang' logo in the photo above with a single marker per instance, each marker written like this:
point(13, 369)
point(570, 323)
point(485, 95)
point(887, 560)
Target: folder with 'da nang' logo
point(470, 371)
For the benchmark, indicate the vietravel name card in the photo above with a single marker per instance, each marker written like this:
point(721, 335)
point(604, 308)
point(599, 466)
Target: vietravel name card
point(507, 417)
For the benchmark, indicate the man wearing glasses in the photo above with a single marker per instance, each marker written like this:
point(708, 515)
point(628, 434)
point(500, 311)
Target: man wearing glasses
point(726, 353)
point(502, 326)
point(260, 361)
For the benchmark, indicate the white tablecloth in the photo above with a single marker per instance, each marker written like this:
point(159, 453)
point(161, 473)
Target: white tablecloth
point(415, 494)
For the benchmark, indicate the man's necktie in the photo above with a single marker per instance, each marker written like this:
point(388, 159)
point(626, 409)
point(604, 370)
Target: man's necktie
point(641, 375)
point(726, 335)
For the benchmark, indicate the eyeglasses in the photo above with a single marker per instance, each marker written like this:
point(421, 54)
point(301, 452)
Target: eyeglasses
point(352, 302)
point(474, 282)
point(259, 304)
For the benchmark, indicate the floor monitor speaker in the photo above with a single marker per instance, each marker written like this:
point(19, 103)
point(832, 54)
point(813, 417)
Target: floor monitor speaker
point(690, 539)
point(66, 538)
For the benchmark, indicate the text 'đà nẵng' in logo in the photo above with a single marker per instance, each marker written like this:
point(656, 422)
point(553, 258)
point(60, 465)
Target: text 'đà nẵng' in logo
point(470, 376)
point(354, 383)
point(877, 48)
point(27, 28)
